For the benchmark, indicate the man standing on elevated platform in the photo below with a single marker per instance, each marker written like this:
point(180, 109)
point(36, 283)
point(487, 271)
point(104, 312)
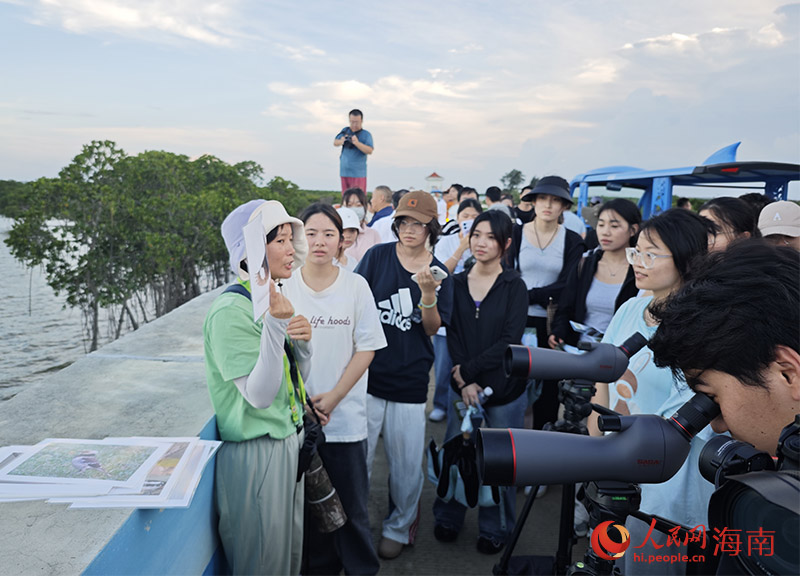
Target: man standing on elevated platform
point(356, 145)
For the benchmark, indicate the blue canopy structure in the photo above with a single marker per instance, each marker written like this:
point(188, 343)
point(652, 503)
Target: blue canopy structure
point(719, 170)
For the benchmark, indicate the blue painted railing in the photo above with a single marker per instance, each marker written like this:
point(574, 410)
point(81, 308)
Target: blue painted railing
point(169, 541)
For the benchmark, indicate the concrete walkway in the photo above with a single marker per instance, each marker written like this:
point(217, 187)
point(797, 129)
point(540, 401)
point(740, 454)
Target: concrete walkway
point(152, 382)
point(429, 556)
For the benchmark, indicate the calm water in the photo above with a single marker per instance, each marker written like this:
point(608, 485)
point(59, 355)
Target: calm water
point(38, 335)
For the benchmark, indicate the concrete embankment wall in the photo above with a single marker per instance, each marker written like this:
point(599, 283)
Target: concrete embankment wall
point(150, 382)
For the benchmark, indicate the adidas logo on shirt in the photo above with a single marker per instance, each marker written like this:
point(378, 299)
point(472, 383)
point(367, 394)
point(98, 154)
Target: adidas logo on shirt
point(397, 309)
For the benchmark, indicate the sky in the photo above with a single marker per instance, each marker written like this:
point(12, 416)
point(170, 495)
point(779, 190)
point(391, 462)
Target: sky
point(468, 89)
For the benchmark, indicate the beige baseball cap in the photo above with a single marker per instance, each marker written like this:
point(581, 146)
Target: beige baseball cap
point(780, 217)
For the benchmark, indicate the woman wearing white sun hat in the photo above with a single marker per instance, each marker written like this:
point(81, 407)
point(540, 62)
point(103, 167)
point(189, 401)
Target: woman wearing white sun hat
point(258, 406)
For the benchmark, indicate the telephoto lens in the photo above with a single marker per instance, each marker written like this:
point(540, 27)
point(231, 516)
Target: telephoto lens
point(723, 456)
point(322, 499)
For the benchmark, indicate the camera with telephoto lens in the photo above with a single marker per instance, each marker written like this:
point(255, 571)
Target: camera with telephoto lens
point(348, 141)
point(322, 499)
point(756, 494)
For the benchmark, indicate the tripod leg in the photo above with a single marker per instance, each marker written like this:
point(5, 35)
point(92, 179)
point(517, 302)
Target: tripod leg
point(501, 568)
point(566, 529)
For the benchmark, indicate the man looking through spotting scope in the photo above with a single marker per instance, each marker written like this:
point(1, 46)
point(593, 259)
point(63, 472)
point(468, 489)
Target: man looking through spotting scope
point(734, 331)
point(356, 145)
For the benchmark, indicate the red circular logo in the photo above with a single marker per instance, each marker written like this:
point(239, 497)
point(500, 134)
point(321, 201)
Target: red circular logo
point(604, 546)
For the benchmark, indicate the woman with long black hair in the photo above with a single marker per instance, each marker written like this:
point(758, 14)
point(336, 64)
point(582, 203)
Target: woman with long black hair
point(667, 247)
point(603, 279)
point(733, 218)
point(489, 304)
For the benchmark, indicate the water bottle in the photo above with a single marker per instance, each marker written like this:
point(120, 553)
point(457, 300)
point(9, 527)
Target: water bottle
point(484, 396)
point(475, 411)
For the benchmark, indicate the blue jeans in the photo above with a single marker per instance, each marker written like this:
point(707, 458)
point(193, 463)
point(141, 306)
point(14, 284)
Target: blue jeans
point(442, 364)
point(492, 522)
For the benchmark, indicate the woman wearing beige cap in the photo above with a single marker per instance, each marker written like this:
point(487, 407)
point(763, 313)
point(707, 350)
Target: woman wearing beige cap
point(779, 223)
point(412, 305)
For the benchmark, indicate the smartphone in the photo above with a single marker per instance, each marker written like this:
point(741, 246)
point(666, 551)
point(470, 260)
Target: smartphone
point(436, 272)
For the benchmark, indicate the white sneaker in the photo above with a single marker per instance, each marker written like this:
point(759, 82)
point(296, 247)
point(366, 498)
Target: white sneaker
point(580, 520)
point(437, 415)
point(539, 493)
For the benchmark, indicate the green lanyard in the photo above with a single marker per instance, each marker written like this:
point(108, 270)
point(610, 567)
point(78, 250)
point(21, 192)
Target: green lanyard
point(294, 380)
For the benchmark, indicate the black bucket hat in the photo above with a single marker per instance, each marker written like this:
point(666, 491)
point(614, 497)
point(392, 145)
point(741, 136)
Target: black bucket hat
point(552, 185)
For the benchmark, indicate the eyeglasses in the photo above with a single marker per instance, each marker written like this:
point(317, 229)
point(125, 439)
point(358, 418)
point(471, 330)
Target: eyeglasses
point(412, 225)
point(644, 259)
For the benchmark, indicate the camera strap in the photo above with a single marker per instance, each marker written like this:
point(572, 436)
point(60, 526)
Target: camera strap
point(287, 348)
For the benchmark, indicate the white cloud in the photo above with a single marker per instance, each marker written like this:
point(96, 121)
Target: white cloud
point(306, 52)
point(467, 49)
point(598, 71)
point(770, 35)
point(202, 21)
point(719, 41)
point(666, 43)
point(227, 144)
point(349, 90)
point(460, 88)
point(284, 89)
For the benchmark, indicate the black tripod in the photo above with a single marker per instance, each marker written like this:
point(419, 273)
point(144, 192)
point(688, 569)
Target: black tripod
point(576, 397)
point(604, 501)
point(616, 501)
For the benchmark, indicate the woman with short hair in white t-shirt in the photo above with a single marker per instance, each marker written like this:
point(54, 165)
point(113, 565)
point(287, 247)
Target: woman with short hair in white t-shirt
point(345, 325)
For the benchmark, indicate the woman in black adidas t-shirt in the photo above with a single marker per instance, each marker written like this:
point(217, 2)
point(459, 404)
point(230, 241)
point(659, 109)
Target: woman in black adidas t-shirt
point(410, 311)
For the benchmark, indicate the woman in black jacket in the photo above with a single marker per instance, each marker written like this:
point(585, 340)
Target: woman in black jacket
point(602, 280)
point(489, 304)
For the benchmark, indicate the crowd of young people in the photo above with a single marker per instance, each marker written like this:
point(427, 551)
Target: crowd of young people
point(356, 324)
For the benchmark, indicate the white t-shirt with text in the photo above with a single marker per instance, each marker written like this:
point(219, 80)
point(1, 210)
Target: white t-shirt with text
point(344, 320)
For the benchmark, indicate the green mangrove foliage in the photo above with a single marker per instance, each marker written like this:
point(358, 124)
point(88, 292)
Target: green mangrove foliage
point(137, 235)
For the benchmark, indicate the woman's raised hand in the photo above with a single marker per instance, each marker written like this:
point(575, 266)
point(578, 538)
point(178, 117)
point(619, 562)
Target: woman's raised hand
point(427, 284)
point(279, 305)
